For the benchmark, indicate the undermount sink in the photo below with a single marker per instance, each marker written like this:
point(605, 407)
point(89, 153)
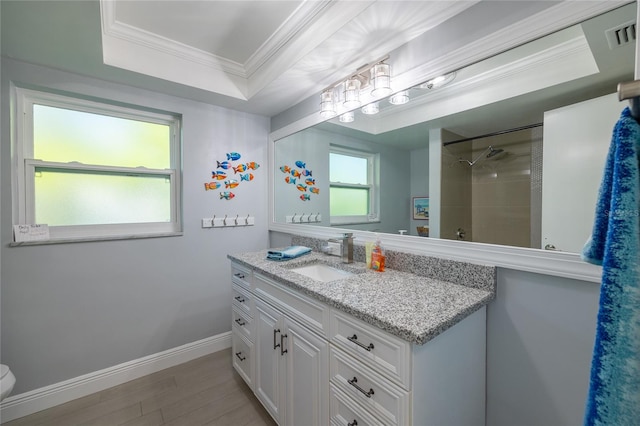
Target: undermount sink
point(322, 272)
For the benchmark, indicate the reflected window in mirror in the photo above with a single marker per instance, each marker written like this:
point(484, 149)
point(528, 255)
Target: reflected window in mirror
point(353, 191)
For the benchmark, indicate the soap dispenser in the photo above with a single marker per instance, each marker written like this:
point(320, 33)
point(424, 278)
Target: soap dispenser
point(377, 256)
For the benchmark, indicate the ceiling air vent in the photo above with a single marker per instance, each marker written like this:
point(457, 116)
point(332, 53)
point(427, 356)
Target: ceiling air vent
point(621, 35)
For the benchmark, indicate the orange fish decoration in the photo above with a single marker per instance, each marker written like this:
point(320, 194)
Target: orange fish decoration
point(315, 190)
point(295, 173)
point(290, 180)
point(285, 169)
point(301, 187)
point(231, 183)
point(310, 181)
point(211, 185)
point(247, 177)
point(305, 197)
point(218, 175)
point(252, 165)
point(240, 168)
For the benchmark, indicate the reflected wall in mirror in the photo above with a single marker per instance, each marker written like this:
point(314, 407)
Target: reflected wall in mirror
point(535, 187)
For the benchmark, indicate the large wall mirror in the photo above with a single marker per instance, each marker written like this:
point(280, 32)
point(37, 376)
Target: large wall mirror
point(509, 151)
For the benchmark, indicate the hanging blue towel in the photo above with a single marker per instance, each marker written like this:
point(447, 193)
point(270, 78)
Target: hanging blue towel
point(614, 391)
point(288, 253)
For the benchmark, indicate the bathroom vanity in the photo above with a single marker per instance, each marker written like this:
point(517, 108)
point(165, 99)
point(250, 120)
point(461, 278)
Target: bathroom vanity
point(367, 348)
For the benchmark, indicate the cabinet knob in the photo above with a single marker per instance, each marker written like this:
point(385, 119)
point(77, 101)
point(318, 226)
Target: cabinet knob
point(240, 322)
point(240, 357)
point(239, 299)
point(353, 423)
point(239, 275)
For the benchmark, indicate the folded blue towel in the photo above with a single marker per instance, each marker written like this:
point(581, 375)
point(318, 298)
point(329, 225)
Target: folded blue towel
point(288, 253)
point(614, 392)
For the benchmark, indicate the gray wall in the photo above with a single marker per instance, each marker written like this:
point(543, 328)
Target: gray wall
point(540, 336)
point(71, 309)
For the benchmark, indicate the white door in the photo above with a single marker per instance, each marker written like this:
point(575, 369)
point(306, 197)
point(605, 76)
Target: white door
point(307, 364)
point(575, 145)
point(269, 380)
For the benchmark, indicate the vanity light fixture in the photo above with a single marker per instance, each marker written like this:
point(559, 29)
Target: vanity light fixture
point(347, 117)
point(370, 109)
point(399, 98)
point(381, 79)
point(352, 92)
point(327, 104)
point(368, 85)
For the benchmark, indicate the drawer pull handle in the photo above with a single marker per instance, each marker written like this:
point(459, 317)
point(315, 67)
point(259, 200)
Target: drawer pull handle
point(353, 382)
point(239, 275)
point(275, 346)
point(282, 349)
point(353, 423)
point(239, 299)
point(241, 358)
point(354, 339)
point(240, 322)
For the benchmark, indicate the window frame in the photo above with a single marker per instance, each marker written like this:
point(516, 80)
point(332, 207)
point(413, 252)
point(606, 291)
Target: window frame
point(24, 165)
point(373, 186)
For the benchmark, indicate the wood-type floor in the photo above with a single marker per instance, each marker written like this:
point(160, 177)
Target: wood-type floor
point(205, 391)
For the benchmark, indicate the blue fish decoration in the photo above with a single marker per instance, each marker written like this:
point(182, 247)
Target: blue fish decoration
point(306, 173)
point(233, 156)
point(301, 164)
point(310, 181)
point(224, 165)
point(227, 195)
point(246, 177)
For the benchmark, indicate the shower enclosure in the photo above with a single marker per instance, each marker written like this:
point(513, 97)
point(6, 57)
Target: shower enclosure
point(491, 187)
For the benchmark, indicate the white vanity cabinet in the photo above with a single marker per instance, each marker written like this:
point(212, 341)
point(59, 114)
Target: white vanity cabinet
point(312, 364)
point(291, 355)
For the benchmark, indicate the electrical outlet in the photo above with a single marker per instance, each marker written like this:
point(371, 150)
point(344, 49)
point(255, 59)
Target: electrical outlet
point(207, 222)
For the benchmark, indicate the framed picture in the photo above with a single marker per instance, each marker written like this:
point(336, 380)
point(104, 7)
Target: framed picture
point(420, 208)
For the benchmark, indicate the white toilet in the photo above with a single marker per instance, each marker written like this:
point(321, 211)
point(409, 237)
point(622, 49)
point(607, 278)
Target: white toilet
point(7, 380)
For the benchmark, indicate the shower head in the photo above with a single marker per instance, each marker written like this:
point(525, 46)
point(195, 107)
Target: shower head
point(493, 151)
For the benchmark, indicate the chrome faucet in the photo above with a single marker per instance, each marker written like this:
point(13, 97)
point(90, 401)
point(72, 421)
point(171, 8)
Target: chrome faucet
point(346, 246)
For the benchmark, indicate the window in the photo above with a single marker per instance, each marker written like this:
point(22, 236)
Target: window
point(92, 170)
point(353, 191)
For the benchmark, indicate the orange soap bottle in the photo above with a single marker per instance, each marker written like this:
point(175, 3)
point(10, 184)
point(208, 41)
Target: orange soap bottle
point(377, 256)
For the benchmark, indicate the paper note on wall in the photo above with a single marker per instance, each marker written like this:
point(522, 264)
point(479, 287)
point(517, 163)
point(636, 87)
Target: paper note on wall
point(22, 233)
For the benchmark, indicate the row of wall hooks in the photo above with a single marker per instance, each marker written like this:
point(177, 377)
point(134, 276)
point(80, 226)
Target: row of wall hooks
point(228, 221)
point(304, 218)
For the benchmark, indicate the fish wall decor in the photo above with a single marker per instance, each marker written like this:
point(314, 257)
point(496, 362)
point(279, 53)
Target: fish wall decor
point(300, 171)
point(222, 174)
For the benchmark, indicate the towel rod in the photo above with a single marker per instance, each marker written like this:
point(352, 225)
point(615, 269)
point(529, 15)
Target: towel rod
point(631, 90)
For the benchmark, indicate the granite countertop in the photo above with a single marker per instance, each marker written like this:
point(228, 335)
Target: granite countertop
point(412, 307)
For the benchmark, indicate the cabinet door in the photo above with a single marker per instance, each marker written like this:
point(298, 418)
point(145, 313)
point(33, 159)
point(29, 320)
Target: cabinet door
point(269, 373)
point(307, 374)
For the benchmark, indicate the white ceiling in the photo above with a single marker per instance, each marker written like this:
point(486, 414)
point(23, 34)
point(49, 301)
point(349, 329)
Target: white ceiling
point(271, 54)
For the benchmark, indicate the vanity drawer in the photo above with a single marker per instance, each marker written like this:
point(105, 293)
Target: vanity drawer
point(241, 276)
point(311, 313)
point(346, 412)
point(243, 323)
point(242, 357)
point(385, 353)
point(243, 300)
point(373, 392)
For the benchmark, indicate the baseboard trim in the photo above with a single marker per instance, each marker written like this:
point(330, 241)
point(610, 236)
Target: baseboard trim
point(46, 397)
